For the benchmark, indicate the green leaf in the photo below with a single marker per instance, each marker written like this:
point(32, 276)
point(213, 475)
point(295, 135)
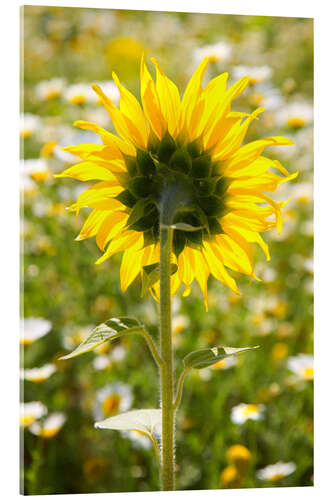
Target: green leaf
point(151, 274)
point(183, 226)
point(207, 357)
point(110, 330)
point(146, 421)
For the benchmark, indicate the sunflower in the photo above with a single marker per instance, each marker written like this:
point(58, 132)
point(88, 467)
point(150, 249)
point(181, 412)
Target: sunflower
point(195, 142)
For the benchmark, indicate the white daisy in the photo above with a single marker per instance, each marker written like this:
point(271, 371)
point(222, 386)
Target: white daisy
point(257, 74)
point(276, 471)
point(302, 366)
point(243, 412)
point(101, 362)
point(118, 353)
point(29, 124)
point(47, 90)
point(112, 399)
point(38, 375)
point(50, 427)
point(34, 168)
point(179, 323)
point(79, 93)
point(30, 412)
point(220, 51)
point(302, 193)
point(265, 96)
point(32, 329)
point(295, 115)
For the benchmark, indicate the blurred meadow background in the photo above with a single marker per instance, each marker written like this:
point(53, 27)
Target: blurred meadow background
point(245, 422)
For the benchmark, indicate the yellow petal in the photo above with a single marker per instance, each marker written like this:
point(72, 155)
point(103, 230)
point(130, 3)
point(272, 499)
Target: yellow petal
point(83, 150)
point(92, 224)
point(192, 93)
point(87, 171)
point(130, 108)
point(251, 151)
point(216, 267)
point(169, 99)
point(233, 139)
point(100, 192)
point(123, 125)
point(201, 274)
point(110, 228)
point(267, 199)
point(107, 137)
point(131, 264)
point(250, 236)
point(127, 239)
point(150, 102)
point(212, 127)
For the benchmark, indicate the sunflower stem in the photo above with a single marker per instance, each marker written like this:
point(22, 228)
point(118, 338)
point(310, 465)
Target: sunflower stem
point(174, 197)
point(171, 199)
point(167, 472)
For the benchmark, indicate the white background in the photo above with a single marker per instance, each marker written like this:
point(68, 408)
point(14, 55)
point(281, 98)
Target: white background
point(9, 231)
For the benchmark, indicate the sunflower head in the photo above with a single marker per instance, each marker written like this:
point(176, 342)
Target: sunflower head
point(189, 154)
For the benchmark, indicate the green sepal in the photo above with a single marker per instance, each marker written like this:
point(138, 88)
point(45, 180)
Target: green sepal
point(203, 219)
point(141, 208)
point(151, 275)
point(148, 238)
point(131, 164)
point(195, 237)
point(167, 148)
point(214, 226)
point(221, 186)
point(212, 205)
point(109, 330)
point(179, 242)
point(208, 357)
point(146, 163)
point(205, 187)
point(145, 222)
point(140, 186)
point(126, 198)
point(195, 148)
point(180, 161)
point(201, 166)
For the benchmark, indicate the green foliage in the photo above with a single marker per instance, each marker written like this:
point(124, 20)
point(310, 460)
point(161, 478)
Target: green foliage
point(208, 357)
point(110, 330)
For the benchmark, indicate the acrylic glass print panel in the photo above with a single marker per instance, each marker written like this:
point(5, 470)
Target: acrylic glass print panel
point(240, 243)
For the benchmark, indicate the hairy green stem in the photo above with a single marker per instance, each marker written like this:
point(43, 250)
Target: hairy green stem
point(173, 198)
point(167, 459)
